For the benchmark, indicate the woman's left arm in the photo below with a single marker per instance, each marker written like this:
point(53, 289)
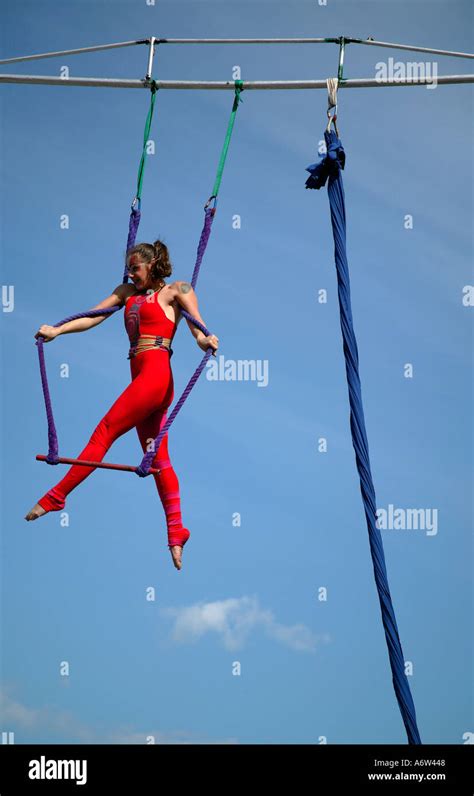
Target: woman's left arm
point(184, 294)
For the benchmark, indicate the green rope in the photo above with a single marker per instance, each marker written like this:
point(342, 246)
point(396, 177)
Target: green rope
point(154, 88)
point(141, 169)
point(238, 89)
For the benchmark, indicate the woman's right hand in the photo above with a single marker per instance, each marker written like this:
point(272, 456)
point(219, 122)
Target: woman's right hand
point(48, 333)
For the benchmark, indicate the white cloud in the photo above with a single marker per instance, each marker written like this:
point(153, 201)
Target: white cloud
point(176, 737)
point(17, 718)
point(234, 619)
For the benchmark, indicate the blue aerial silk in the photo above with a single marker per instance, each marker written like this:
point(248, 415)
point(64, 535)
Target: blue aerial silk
point(329, 170)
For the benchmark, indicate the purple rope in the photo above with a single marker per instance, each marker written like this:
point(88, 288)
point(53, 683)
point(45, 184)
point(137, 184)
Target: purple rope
point(203, 241)
point(134, 222)
point(52, 457)
point(143, 468)
point(196, 322)
point(53, 446)
point(145, 465)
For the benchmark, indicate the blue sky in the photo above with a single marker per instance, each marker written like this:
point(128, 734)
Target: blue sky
point(310, 670)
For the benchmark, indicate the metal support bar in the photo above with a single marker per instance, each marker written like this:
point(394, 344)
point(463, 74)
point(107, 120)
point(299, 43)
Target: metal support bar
point(73, 52)
point(414, 48)
point(109, 82)
point(331, 40)
point(150, 58)
point(337, 40)
point(340, 71)
point(307, 40)
point(167, 41)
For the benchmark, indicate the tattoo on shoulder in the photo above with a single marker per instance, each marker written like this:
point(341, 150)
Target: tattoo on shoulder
point(184, 287)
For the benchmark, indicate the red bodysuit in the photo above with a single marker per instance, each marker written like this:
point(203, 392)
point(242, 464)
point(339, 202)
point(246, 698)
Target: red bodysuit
point(143, 405)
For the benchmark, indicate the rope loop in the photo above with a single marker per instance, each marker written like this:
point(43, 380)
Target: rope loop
point(209, 202)
point(332, 85)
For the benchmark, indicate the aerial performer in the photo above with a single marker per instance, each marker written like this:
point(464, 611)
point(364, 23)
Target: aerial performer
point(152, 314)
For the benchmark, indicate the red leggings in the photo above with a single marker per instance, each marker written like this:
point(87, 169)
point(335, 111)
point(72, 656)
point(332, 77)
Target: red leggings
point(142, 404)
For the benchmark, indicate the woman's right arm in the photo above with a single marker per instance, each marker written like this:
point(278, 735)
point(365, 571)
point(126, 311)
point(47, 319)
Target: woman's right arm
point(117, 297)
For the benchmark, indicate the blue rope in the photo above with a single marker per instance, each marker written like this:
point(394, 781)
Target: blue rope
point(330, 168)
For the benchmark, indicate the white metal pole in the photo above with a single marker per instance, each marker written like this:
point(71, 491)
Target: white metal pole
point(150, 58)
point(347, 39)
point(328, 40)
point(306, 40)
point(109, 82)
point(414, 48)
point(165, 41)
point(73, 52)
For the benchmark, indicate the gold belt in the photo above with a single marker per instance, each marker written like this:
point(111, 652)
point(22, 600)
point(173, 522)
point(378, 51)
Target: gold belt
point(148, 341)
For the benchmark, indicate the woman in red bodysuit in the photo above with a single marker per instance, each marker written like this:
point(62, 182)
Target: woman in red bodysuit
point(152, 313)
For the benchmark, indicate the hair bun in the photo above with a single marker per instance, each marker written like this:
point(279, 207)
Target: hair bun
point(156, 253)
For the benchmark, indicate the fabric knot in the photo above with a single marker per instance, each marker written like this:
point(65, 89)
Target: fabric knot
point(330, 164)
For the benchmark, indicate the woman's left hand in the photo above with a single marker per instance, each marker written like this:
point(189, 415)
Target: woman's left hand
point(211, 340)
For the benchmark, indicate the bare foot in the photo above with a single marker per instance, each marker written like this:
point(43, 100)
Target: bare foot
point(35, 512)
point(176, 551)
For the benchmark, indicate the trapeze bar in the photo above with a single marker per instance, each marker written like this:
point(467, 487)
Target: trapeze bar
point(104, 465)
point(73, 52)
point(108, 82)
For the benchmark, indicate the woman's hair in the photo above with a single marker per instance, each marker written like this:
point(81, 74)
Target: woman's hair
point(156, 253)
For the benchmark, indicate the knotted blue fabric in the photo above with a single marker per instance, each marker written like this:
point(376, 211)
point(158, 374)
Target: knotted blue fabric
point(329, 169)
